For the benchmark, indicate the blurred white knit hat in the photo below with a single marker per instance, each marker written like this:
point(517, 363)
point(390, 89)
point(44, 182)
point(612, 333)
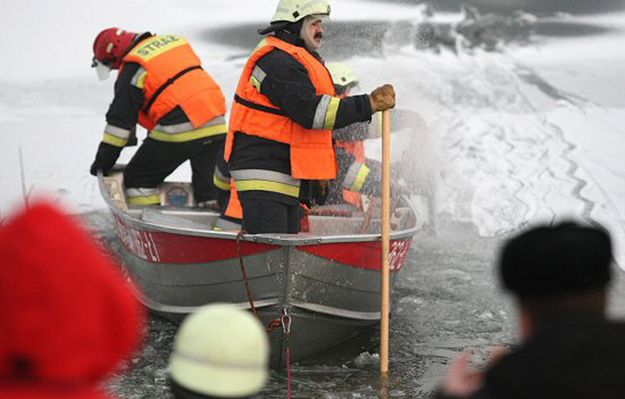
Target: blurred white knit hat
point(221, 350)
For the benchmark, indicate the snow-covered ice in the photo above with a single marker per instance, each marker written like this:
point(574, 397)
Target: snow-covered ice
point(533, 132)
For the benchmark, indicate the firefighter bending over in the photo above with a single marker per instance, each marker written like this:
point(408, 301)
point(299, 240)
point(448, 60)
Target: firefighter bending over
point(160, 85)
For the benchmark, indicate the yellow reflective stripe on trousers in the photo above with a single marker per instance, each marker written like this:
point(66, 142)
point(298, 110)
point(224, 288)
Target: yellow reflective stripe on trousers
point(144, 201)
point(114, 140)
point(333, 109)
point(264, 185)
point(265, 180)
point(189, 136)
point(143, 196)
point(220, 184)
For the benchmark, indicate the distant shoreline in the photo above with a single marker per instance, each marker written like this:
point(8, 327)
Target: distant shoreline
point(538, 7)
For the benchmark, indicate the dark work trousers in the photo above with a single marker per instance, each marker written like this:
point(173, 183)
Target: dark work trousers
point(263, 216)
point(155, 160)
point(222, 196)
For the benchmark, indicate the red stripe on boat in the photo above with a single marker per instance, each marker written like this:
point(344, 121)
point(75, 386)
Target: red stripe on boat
point(161, 247)
point(363, 255)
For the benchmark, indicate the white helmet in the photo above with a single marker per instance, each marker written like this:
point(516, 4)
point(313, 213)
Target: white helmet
point(294, 10)
point(342, 75)
point(221, 351)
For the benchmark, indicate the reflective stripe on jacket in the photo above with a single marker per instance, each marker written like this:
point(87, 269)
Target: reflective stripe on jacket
point(311, 150)
point(173, 77)
point(357, 173)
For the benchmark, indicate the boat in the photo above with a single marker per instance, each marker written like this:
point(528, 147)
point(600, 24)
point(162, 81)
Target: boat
point(316, 289)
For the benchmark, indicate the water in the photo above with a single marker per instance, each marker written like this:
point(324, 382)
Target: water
point(446, 300)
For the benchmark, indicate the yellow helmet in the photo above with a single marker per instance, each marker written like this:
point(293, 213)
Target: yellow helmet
point(342, 76)
point(222, 351)
point(294, 10)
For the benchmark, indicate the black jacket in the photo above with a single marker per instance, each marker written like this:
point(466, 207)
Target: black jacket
point(288, 86)
point(573, 357)
point(124, 112)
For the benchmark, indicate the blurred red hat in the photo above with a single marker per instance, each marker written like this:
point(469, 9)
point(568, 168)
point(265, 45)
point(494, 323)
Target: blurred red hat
point(67, 317)
point(37, 392)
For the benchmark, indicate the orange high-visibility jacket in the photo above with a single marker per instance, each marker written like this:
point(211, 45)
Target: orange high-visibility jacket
point(312, 151)
point(175, 78)
point(234, 209)
point(357, 149)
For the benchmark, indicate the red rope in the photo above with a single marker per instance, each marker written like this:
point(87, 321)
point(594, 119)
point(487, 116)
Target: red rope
point(248, 289)
point(283, 321)
point(273, 324)
point(364, 229)
point(288, 370)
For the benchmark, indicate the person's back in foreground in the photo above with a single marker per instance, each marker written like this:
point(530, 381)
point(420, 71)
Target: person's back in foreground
point(558, 277)
point(220, 351)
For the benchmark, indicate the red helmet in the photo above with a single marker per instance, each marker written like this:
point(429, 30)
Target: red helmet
point(110, 46)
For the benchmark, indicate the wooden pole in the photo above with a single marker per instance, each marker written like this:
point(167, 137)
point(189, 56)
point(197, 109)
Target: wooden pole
point(386, 235)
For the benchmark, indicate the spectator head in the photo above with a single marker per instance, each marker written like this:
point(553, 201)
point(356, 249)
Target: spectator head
point(220, 351)
point(555, 269)
point(67, 318)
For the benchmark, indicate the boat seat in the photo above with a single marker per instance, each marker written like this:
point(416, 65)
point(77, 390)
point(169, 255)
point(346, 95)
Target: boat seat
point(115, 186)
point(176, 194)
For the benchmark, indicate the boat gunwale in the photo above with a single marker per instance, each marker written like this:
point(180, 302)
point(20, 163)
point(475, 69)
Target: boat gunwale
point(301, 239)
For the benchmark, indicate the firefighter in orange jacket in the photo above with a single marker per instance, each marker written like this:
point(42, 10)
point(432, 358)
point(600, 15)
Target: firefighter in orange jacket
point(280, 133)
point(357, 175)
point(227, 197)
point(161, 85)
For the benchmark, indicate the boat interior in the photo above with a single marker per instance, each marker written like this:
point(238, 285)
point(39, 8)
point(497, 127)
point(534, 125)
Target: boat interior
point(178, 210)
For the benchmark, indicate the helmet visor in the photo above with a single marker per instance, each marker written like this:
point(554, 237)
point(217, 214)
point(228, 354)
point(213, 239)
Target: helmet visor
point(103, 71)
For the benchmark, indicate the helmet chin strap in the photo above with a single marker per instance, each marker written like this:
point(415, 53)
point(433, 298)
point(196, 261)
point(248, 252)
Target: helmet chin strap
point(102, 71)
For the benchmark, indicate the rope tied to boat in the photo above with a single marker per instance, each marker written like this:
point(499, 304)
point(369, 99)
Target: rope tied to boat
point(283, 322)
point(248, 288)
point(273, 325)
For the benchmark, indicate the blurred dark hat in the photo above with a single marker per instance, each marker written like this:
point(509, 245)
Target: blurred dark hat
point(567, 258)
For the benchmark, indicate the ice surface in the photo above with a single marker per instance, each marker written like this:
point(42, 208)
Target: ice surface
point(530, 132)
